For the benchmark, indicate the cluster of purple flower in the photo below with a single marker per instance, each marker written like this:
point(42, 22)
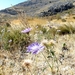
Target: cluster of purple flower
point(35, 47)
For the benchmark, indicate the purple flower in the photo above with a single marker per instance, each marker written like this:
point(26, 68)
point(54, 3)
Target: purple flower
point(35, 48)
point(27, 30)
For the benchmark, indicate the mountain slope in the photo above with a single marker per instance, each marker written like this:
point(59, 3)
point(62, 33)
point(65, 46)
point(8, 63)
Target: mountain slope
point(40, 7)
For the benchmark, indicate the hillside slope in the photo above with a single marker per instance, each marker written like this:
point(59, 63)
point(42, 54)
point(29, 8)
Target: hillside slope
point(40, 7)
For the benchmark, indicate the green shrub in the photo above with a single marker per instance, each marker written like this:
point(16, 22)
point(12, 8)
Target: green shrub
point(66, 29)
point(13, 39)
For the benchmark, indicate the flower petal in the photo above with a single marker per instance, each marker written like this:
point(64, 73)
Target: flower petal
point(35, 48)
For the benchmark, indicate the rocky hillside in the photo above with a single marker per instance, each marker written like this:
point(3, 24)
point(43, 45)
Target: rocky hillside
point(40, 7)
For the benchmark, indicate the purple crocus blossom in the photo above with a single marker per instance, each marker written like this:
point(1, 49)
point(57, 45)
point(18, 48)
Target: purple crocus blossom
point(35, 48)
point(27, 30)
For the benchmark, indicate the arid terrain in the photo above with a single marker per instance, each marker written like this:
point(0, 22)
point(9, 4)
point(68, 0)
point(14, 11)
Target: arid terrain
point(55, 34)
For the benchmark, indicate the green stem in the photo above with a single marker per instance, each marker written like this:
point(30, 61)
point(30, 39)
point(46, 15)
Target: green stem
point(48, 63)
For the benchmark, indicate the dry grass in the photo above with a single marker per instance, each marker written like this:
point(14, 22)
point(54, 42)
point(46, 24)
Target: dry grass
point(65, 59)
point(31, 22)
point(59, 50)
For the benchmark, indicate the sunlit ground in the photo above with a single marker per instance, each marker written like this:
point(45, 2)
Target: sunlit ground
point(57, 36)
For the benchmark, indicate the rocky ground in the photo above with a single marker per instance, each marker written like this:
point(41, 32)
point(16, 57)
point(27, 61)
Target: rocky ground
point(16, 62)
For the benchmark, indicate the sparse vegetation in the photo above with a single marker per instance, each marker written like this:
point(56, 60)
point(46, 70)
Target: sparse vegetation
point(15, 41)
point(66, 29)
point(38, 46)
